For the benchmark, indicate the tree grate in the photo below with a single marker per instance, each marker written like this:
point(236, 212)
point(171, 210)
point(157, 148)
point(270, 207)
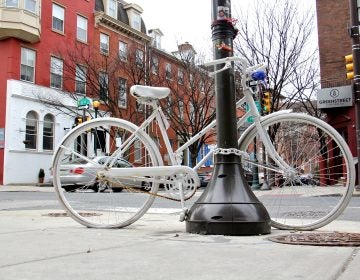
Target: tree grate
point(319, 239)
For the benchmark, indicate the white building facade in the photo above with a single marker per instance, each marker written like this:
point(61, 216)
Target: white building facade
point(32, 131)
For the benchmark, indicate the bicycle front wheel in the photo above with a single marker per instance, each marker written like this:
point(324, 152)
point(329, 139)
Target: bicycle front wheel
point(319, 181)
point(98, 145)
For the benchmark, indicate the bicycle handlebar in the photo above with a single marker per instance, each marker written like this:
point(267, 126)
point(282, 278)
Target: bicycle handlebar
point(243, 62)
point(256, 67)
point(225, 60)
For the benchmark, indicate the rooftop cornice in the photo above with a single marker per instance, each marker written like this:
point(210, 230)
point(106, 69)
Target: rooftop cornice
point(166, 54)
point(106, 20)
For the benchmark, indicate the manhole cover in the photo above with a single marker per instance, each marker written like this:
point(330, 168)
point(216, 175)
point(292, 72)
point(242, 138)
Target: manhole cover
point(67, 215)
point(319, 239)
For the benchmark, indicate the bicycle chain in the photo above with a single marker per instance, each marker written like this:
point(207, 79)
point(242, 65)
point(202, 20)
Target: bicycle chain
point(136, 190)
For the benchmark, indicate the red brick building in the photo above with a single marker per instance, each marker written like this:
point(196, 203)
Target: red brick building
point(39, 42)
point(334, 43)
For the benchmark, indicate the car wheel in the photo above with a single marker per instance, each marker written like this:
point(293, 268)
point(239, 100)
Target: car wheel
point(69, 188)
point(101, 187)
point(95, 188)
point(146, 186)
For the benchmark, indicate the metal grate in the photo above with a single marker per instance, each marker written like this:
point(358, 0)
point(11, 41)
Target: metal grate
point(319, 239)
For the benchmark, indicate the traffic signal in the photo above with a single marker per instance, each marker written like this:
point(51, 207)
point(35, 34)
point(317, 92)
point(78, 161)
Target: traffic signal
point(349, 67)
point(266, 102)
point(78, 120)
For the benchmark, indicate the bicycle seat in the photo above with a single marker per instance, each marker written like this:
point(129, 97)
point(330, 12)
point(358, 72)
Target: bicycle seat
point(149, 92)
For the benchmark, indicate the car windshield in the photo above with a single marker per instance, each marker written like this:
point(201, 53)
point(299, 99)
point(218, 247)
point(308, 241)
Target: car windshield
point(119, 162)
point(76, 160)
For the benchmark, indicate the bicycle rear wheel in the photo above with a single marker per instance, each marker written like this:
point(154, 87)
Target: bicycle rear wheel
point(320, 181)
point(116, 202)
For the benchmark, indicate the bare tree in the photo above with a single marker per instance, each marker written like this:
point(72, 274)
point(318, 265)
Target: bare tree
point(189, 108)
point(100, 77)
point(191, 105)
point(279, 33)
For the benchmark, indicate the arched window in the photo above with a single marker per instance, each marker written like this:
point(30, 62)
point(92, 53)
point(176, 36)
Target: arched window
point(48, 132)
point(31, 130)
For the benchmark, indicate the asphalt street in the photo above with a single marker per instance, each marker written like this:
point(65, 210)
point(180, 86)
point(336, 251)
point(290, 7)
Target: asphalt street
point(36, 245)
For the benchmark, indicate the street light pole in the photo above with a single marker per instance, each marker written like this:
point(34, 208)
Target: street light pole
point(227, 206)
point(255, 184)
point(354, 32)
point(96, 105)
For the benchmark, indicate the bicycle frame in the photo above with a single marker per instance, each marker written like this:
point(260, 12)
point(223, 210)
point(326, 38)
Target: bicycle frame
point(175, 157)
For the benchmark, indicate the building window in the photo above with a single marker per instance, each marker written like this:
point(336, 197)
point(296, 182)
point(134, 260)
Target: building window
point(122, 93)
point(155, 65)
point(58, 18)
point(202, 86)
point(139, 59)
point(181, 109)
point(27, 65)
point(123, 51)
point(104, 43)
point(192, 112)
point(156, 141)
point(191, 81)
point(30, 5)
point(168, 74)
point(12, 3)
point(103, 83)
point(157, 41)
point(81, 31)
point(180, 77)
point(48, 132)
point(80, 79)
point(112, 8)
point(56, 72)
point(136, 21)
point(137, 154)
point(169, 106)
point(31, 130)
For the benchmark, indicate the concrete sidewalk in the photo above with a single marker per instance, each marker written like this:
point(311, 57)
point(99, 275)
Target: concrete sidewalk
point(27, 188)
point(37, 246)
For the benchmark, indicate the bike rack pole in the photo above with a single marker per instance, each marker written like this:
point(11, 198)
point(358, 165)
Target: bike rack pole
point(227, 206)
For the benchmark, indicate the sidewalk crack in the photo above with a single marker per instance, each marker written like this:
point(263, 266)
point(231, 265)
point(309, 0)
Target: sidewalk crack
point(347, 263)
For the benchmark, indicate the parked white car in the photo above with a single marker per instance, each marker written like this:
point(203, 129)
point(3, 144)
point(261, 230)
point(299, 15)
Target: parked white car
point(80, 175)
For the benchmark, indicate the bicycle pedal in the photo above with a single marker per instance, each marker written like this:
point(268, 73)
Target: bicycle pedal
point(183, 214)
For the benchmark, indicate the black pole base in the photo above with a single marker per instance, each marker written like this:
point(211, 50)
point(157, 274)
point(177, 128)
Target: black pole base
point(228, 206)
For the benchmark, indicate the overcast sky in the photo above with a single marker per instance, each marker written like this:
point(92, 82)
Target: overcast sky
point(180, 21)
point(186, 20)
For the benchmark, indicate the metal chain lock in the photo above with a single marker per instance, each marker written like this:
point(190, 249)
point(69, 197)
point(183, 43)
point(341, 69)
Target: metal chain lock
point(228, 151)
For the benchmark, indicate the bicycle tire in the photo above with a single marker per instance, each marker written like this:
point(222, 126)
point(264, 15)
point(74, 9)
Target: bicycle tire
point(307, 145)
point(74, 160)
